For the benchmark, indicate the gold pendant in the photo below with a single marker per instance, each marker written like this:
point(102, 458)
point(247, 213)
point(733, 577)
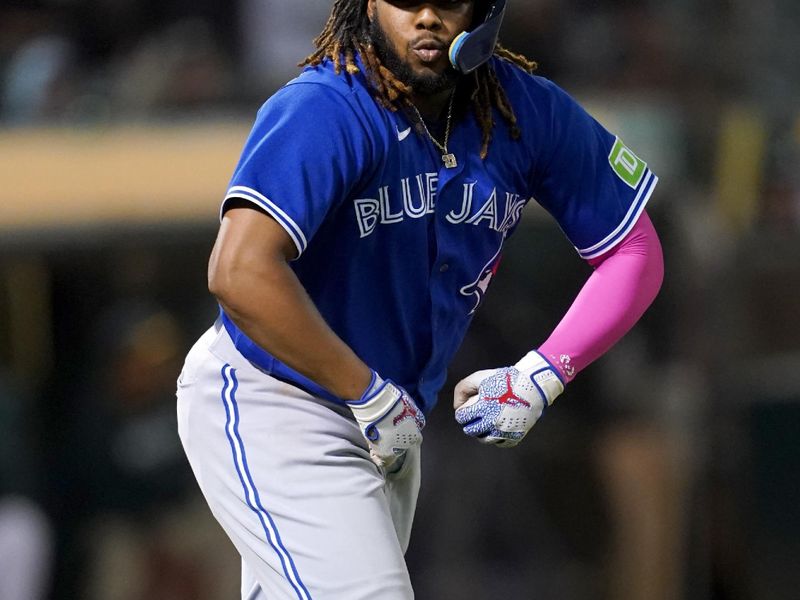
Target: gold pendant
point(449, 161)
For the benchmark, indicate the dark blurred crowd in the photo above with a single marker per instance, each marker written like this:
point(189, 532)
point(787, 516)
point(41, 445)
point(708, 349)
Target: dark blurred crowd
point(76, 60)
point(89, 61)
point(669, 471)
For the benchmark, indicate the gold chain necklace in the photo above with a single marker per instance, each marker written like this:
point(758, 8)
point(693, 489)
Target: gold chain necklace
point(448, 158)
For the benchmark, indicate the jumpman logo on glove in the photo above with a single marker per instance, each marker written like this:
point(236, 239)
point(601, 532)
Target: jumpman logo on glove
point(499, 406)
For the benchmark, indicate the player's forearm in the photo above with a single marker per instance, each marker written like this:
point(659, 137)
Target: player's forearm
point(614, 298)
point(268, 303)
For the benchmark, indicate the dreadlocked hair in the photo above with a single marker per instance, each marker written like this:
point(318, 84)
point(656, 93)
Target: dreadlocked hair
point(346, 34)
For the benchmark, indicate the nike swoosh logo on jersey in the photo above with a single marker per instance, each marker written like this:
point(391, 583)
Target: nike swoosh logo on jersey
point(401, 135)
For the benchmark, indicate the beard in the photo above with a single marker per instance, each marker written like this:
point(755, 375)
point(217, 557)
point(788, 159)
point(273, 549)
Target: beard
point(425, 85)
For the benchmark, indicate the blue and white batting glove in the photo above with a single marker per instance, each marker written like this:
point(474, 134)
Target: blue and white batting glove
point(499, 406)
point(389, 419)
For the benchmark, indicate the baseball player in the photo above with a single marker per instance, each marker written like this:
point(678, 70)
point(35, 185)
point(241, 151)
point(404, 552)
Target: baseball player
point(362, 227)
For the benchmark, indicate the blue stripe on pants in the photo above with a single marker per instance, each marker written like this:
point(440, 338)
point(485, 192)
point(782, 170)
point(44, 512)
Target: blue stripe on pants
point(250, 491)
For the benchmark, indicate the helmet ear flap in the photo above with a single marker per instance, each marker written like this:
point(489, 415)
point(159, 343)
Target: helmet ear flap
point(469, 50)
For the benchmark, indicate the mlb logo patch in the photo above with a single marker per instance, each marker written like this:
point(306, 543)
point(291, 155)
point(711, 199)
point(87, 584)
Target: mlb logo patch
point(629, 167)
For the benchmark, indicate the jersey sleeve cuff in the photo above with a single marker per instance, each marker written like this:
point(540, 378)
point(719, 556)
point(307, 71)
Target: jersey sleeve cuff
point(643, 193)
point(272, 209)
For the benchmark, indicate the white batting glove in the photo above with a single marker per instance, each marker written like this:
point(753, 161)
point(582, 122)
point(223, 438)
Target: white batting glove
point(499, 406)
point(389, 419)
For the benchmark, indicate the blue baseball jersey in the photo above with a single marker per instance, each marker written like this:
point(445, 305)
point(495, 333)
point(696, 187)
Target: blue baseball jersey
point(397, 251)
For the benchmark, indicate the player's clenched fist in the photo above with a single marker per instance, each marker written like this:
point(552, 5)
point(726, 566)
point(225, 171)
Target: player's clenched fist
point(499, 406)
point(389, 419)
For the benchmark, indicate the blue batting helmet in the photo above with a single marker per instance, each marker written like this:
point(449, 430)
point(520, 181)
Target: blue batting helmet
point(471, 49)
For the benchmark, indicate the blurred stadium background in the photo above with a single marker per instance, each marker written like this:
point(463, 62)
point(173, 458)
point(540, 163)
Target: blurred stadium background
point(670, 471)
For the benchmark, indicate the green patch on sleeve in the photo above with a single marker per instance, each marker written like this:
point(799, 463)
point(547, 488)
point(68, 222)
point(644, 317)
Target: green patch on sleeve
point(629, 167)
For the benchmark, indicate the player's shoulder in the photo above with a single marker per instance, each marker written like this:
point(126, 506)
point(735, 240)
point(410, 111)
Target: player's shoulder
point(326, 76)
point(521, 85)
point(323, 91)
point(539, 103)
point(320, 107)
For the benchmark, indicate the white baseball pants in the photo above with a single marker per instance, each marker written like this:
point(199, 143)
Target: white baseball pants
point(289, 478)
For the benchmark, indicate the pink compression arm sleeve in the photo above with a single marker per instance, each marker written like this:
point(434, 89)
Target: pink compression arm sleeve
point(625, 282)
